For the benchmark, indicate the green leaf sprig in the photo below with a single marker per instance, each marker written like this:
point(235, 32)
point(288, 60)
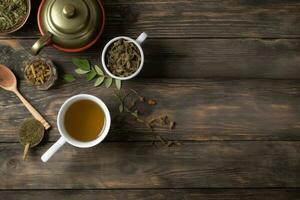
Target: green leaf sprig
point(83, 67)
point(68, 78)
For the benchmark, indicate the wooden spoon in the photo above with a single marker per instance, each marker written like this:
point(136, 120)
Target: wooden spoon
point(8, 82)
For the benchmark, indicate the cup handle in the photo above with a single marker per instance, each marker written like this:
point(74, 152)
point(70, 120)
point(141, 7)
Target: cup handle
point(41, 43)
point(142, 38)
point(53, 149)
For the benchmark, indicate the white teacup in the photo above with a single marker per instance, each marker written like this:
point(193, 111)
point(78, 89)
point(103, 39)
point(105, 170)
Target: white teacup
point(138, 42)
point(65, 137)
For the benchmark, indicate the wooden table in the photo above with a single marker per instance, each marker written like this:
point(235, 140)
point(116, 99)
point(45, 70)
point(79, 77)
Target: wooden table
point(226, 71)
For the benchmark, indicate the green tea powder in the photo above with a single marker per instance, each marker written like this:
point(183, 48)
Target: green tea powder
point(31, 131)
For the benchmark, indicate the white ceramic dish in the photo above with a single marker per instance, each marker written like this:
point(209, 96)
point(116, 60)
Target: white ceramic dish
point(138, 42)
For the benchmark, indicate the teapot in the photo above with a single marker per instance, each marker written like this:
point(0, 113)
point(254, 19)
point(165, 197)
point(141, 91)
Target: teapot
point(69, 25)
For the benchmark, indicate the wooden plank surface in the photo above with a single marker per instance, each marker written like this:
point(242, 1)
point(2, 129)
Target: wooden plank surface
point(239, 138)
point(205, 109)
point(161, 194)
point(186, 58)
point(187, 18)
point(140, 165)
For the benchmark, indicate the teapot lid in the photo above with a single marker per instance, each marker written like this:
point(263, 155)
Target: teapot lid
point(73, 24)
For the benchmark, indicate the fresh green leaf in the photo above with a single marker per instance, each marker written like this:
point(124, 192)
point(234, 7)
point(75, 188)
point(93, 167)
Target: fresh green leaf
point(98, 70)
point(81, 71)
point(91, 75)
point(118, 84)
point(83, 64)
point(99, 81)
point(121, 107)
point(139, 120)
point(69, 78)
point(135, 114)
point(108, 82)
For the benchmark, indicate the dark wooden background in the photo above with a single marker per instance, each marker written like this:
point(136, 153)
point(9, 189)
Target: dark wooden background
point(227, 71)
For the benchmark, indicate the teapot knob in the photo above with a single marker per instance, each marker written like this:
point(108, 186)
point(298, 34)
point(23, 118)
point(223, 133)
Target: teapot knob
point(69, 11)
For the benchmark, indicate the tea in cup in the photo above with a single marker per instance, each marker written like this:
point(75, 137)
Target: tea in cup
point(83, 121)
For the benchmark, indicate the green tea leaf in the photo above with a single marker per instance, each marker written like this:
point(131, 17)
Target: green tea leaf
point(135, 114)
point(68, 78)
point(107, 82)
point(91, 75)
point(83, 64)
point(98, 70)
point(118, 84)
point(121, 107)
point(99, 81)
point(139, 120)
point(81, 71)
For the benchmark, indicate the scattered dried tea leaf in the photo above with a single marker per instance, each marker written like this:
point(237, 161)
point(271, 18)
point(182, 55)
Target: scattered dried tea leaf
point(163, 119)
point(170, 143)
point(150, 126)
point(153, 120)
point(131, 105)
point(161, 139)
point(172, 125)
point(152, 102)
point(141, 99)
point(128, 99)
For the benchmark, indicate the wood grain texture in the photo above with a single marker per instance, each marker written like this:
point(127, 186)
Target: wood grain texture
point(203, 109)
point(187, 18)
point(161, 194)
point(185, 58)
point(239, 138)
point(141, 165)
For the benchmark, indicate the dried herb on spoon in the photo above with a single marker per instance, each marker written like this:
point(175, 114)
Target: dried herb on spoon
point(31, 133)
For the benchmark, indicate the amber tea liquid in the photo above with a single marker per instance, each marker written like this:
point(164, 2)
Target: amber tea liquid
point(84, 120)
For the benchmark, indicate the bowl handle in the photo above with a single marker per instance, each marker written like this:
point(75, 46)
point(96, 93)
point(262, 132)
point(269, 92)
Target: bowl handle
point(41, 43)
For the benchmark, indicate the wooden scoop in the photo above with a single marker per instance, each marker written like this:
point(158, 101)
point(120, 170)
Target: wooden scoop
point(8, 82)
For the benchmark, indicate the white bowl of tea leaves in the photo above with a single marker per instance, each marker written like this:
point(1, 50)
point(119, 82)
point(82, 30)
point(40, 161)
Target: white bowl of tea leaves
point(123, 57)
point(13, 15)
